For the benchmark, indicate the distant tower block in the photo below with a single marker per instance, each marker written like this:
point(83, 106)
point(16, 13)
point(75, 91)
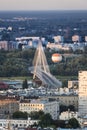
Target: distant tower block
point(58, 39)
point(30, 43)
point(40, 60)
point(76, 38)
point(86, 38)
point(83, 93)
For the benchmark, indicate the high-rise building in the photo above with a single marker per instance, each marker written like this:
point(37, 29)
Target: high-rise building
point(58, 39)
point(83, 93)
point(85, 38)
point(76, 38)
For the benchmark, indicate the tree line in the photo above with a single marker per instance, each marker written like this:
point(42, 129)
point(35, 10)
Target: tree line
point(45, 120)
point(17, 63)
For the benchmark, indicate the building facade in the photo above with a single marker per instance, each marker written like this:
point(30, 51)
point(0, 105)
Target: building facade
point(58, 39)
point(73, 84)
point(4, 45)
point(14, 124)
point(83, 93)
point(76, 38)
point(68, 115)
point(67, 100)
point(51, 107)
point(8, 106)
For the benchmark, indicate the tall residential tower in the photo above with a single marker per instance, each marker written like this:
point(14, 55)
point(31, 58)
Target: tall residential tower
point(83, 93)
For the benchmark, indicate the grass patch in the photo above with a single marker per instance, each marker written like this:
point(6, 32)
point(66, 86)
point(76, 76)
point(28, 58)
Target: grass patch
point(16, 78)
point(67, 77)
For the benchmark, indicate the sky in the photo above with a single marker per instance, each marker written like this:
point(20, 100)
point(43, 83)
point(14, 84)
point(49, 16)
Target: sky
point(43, 4)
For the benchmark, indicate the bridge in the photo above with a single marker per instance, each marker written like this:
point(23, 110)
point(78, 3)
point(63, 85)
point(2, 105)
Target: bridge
point(41, 70)
point(47, 78)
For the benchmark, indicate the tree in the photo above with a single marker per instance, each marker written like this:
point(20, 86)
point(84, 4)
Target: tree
point(71, 108)
point(25, 84)
point(59, 123)
point(5, 36)
point(45, 120)
point(19, 114)
point(63, 108)
point(85, 50)
point(64, 83)
point(73, 122)
point(36, 115)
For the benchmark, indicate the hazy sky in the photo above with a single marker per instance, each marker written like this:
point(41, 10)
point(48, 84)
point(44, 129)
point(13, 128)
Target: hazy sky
point(43, 4)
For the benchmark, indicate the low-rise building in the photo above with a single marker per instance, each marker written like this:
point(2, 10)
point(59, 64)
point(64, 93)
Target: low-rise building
point(58, 46)
point(8, 106)
point(68, 115)
point(67, 100)
point(58, 39)
point(73, 84)
point(76, 38)
point(12, 124)
point(51, 107)
point(4, 45)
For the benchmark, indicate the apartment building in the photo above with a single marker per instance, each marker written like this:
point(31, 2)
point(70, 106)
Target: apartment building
point(83, 93)
point(14, 124)
point(4, 45)
point(67, 100)
point(51, 107)
point(8, 106)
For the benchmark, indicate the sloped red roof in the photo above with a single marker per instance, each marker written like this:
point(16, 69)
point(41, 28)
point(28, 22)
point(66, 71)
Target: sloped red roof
point(3, 85)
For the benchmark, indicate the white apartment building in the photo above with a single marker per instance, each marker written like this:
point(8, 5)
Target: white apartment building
point(57, 46)
point(13, 124)
point(68, 115)
point(27, 38)
point(73, 84)
point(83, 93)
point(51, 107)
point(58, 39)
point(86, 38)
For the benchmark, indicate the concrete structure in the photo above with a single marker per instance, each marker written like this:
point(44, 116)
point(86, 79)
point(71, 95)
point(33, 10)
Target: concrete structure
point(64, 91)
point(12, 124)
point(73, 84)
point(58, 39)
point(58, 46)
point(40, 69)
point(4, 45)
point(68, 115)
point(86, 38)
point(8, 106)
point(68, 100)
point(76, 38)
point(83, 93)
point(27, 38)
point(51, 107)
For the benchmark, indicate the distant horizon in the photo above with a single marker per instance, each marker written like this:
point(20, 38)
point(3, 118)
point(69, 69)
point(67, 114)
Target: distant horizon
point(42, 10)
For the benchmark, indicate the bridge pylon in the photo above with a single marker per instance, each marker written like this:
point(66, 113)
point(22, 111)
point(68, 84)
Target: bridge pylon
point(40, 61)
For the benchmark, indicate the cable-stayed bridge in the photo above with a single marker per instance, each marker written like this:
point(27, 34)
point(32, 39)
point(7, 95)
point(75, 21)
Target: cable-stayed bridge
point(41, 70)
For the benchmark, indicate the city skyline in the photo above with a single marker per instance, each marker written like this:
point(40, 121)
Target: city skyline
point(43, 5)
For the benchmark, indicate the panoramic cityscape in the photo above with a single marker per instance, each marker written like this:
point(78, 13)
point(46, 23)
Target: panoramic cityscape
point(43, 65)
